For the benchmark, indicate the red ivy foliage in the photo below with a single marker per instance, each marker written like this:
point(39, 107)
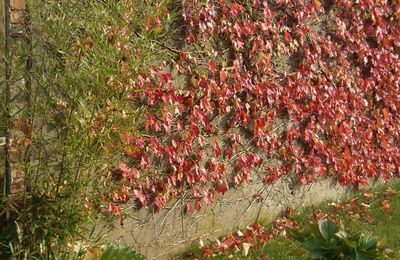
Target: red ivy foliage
point(338, 100)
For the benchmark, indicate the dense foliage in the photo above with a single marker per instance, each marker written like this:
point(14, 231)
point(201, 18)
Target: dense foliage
point(157, 100)
point(274, 87)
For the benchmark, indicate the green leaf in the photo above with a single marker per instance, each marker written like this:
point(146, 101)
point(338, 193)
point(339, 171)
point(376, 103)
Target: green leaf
point(350, 243)
point(327, 228)
point(298, 235)
point(315, 230)
point(317, 254)
point(367, 242)
point(361, 256)
point(120, 253)
point(312, 244)
point(355, 236)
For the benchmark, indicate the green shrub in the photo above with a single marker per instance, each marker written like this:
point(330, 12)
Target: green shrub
point(69, 121)
point(325, 240)
point(120, 253)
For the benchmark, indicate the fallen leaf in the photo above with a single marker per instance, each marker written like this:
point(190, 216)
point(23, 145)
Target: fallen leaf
point(389, 193)
point(370, 219)
point(208, 252)
point(367, 194)
point(387, 207)
point(365, 205)
point(246, 247)
point(228, 243)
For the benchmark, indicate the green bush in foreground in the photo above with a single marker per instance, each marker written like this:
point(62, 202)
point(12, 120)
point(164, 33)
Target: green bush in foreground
point(325, 240)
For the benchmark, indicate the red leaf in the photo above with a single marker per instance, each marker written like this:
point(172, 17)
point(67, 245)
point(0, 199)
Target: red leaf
point(212, 67)
point(288, 37)
point(223, 187)
point(188, 208)
point(229, 153)
point(153, 22)
point(144, 162)
point(198, 205)
point(222, 76)
point(208, 197)
point(134, 173)
point(387, 206)
point(112, 208)
point(316, 4)
point(208, 252)
point(385, 114)
point(228, 243)
point(217, 149)
point(236, 9)
point(111, 35)
point(142, 198)
point(126, 138)
point(370, 219)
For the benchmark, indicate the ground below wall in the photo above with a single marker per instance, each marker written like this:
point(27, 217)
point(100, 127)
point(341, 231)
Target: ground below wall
point(169, 231)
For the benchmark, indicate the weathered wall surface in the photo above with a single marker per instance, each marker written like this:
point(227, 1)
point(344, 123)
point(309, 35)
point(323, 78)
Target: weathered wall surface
point(159, 235)
point(12, 26)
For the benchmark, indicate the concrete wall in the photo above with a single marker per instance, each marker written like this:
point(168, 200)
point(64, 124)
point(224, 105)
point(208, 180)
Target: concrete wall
point(169, 231)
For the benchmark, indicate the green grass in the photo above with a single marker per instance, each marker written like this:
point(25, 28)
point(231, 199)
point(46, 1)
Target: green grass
point(376, 212)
